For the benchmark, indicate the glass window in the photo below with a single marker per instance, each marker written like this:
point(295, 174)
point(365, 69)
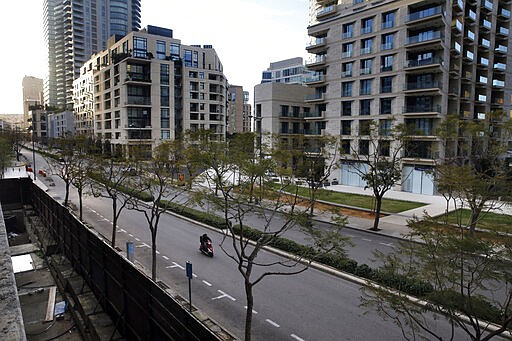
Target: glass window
point(365, 87)
point(385, 106)
point(348, 30)
point(160, 49)
point(364, 147)
point(384, 147)
point(387, 41)
point(164, 74)
point(386, 63)
point(140, 47)
point(347, 49)
point(345, 146)
point(166, 134)
point(164, 96)
point(346, 108)
point(366, 66)
point(187, 60)
point(164, 118)
point(366, 25)
point(388, 20)
point(195, 59)
point(386, 84)
point(174, 50)
point(365, 107)
point(346, 127)
point(385, 127)
point(347, 69)
point(346, 89)
point(366, 46)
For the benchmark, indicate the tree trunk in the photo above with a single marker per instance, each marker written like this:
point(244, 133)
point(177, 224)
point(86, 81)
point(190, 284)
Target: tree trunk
point(475, 214)
point(80, 202)
point(248, 312)
point(66, 198)
point(153, 254)
point(377, 213)
point(114, 222)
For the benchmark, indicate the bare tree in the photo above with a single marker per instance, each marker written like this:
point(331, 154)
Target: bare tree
point(377, 159)
point(113, 181)
point(477, 175)
point(158, 178)
point(470, 278)
point(237, 182)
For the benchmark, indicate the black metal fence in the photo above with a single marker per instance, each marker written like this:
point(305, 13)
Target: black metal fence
point(141, 309)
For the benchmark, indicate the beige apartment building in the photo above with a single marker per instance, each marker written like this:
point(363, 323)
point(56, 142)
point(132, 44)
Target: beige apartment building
point(238, 110)
point(32, 88)
point(148, 87)
point(280, 108)
point(412, 62)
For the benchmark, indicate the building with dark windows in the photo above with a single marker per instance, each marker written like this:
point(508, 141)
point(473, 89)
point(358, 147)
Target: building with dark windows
point(74, 30)
point(411, 62)
point(148, 87)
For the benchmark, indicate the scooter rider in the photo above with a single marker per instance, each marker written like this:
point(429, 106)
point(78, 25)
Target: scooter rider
point(204, 239)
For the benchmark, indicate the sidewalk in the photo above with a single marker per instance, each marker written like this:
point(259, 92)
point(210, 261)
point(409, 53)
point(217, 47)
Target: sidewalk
point(395, 225)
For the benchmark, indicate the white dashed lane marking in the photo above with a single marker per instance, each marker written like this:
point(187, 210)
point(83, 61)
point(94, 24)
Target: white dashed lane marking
point(165, 257)
point(253, 311)
point(366, 240)
point(296, 337)
point(387, 244)
point(272, 323)
point(207, 283)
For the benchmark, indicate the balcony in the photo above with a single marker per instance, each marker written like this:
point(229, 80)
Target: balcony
point(424, 37)
point(487, 4)
point(318, 78)
point(419, 109)
point(387, 24)
point(502, 31)
point(314, 115)
point(318, 60)
point(505, 13)
point(314, 98)
point(498, 83)
point(500, 66)
point(347, 35)
point(366, 50)
point(501, 49)
point(326, 12)
point(290, 131)
point(314, 132)
point(386, 46)
point(415, 86)
point(424, 14)
point(138, 100)
point(291, 115)
point(347, 73)
point(346, 54)
point(412, 63)
point(317, 44)
point(365, 71)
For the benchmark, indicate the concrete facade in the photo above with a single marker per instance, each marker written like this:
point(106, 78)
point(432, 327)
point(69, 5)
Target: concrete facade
point(238, 110)
point(32, 94)
point(148, 87)
point(289, 71)
point(412, 62)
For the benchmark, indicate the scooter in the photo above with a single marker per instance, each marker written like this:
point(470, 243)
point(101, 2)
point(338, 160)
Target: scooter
point(206, 248)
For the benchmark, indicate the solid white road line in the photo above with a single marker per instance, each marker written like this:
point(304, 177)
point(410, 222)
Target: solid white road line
point(272, 323)
point(387, 244)
point(223, 294)
point(366, 240)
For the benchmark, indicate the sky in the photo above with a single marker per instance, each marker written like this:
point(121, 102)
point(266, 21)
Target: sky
point(246, 34)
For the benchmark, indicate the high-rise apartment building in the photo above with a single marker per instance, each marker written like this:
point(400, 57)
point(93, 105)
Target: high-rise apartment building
point(238, 118)
point(74, 30)
point(148, 87)
point(32, 94)
point(290, 71)
point(412, 62)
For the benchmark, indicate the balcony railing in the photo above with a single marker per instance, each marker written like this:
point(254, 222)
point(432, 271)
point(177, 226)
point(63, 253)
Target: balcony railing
point(429, 12)
point(420, 38)
point(422, 85)
point(315, 97)
point(315, 78)
point(318, 60)
point(410, 109)
point(326, 10)
point(346, 54)
point(422, 62)
point(497, 82)
point(487, 4)
point(504, 13)
point(501, 49)
point(138, 100)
